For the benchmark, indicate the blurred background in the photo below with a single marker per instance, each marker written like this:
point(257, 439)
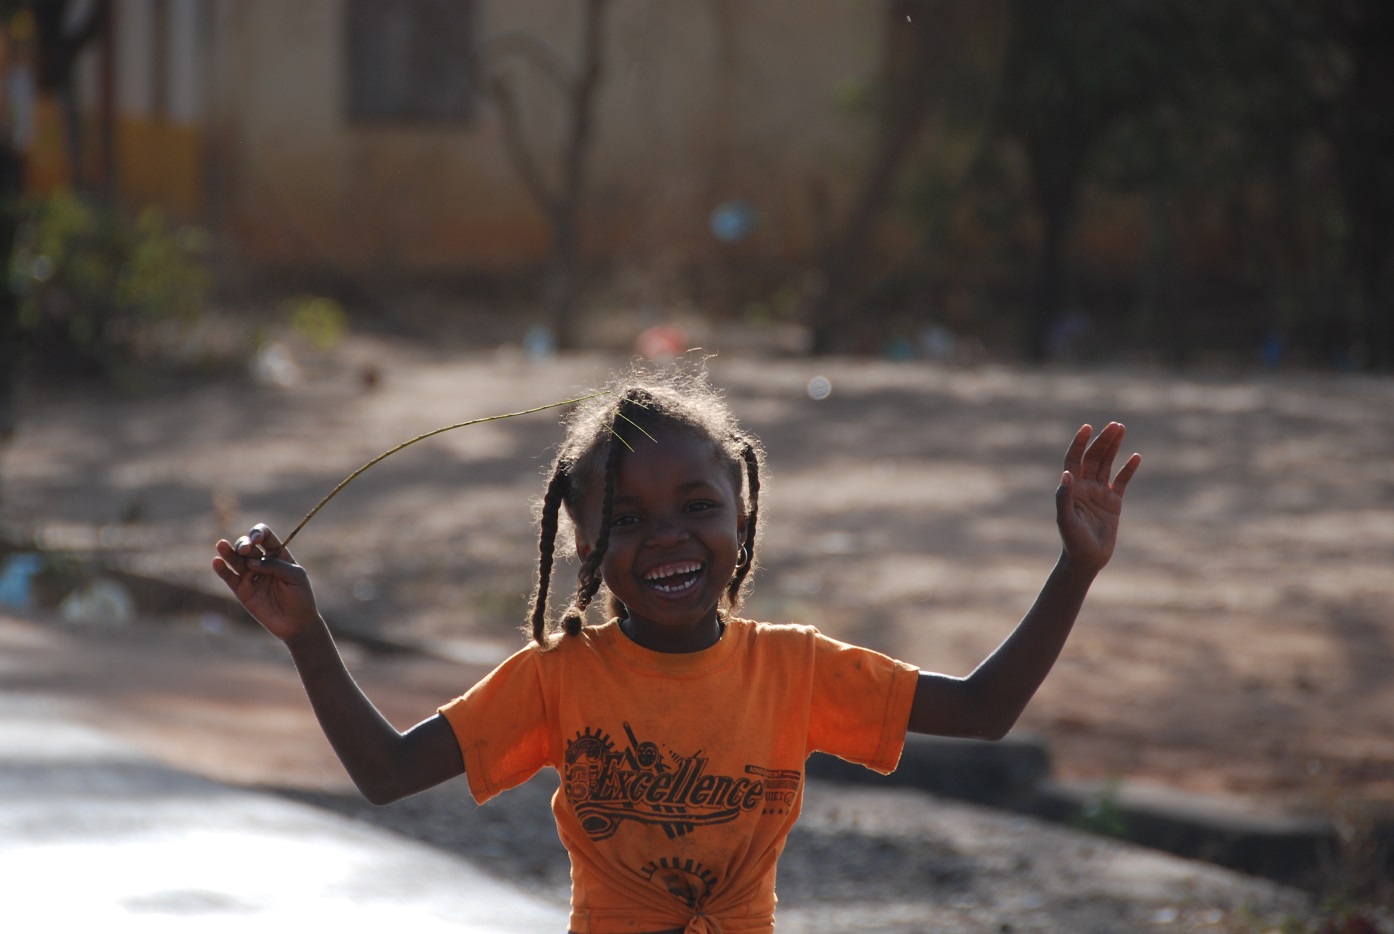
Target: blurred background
point(1015, 180)
point(252, 244)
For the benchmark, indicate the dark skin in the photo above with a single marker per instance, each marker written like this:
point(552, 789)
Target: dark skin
point(386, 764)
point(697, 519)
point(987, 703)
point(674, 510)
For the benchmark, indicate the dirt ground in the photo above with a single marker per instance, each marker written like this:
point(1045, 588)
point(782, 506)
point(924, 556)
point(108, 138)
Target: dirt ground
point(1241, 642)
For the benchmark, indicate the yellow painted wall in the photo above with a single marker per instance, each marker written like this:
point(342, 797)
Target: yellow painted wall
point(157, 162)
point(46, 169)
point(161, 162)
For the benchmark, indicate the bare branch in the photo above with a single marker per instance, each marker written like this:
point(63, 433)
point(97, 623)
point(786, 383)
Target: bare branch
point(519, 152)
point(496, 50)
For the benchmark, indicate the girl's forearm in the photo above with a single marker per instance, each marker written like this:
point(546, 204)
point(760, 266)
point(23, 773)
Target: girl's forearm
point(1008, 678)
point(374, 753)
point(987, 703)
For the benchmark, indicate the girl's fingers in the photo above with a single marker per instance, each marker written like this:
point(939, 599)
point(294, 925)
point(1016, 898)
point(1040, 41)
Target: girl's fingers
point(1120, 482)
point(229, 557)
point(255, 553)
point(1111, 440)
point(259, 541)
point(1098, 459)
point(225, 572)
point(1074, 455)
point(270, 542)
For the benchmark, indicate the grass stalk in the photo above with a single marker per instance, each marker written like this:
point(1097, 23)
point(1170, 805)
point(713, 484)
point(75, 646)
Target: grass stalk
point(430, 434)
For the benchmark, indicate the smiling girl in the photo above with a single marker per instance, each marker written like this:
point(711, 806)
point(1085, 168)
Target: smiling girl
point(679, 729)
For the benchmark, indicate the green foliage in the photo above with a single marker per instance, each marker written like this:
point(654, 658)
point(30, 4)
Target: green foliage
point(92, 280)
point(318, 320)
point(1103, 814)
point(855, 96)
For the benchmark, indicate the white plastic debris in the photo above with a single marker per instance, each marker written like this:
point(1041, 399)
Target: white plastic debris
point(102, 601)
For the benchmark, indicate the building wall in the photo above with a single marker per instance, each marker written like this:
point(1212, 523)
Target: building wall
point(160, 71)
point(234, 112)
point(702, 101)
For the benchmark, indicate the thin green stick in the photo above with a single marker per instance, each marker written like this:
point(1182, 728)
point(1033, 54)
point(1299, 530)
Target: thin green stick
point(631, 421)
point(430, 434)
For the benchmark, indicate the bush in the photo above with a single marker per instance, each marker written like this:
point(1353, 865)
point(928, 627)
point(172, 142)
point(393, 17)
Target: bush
point(93, 281)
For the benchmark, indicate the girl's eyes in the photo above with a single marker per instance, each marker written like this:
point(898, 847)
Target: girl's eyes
point(630, 518)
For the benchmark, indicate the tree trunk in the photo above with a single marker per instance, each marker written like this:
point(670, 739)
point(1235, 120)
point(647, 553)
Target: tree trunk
point(11, 188)
point(1056, 168)
point(562, 286)
point(907, 96)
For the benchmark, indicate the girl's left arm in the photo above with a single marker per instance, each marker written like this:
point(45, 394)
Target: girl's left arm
point(988, 702)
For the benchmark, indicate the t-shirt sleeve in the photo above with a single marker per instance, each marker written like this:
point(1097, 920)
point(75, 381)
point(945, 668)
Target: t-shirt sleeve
point(860, 706)
point(501, 726)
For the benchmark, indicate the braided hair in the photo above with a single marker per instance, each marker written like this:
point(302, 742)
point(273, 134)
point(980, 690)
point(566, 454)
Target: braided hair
point(640, 403)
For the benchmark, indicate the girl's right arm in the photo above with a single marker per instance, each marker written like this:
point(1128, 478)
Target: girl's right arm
point(385, 764)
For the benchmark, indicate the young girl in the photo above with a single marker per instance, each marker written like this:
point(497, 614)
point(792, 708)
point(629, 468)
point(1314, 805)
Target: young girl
point(679, 730)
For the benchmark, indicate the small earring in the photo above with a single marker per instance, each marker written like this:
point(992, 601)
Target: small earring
point(742, 557)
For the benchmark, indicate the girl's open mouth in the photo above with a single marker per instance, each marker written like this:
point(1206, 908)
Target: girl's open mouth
point(674, 579)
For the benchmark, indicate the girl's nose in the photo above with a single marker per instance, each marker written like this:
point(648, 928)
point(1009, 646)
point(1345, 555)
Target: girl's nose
point(667, 532)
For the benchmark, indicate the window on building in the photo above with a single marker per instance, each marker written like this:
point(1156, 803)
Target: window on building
point(410, 60)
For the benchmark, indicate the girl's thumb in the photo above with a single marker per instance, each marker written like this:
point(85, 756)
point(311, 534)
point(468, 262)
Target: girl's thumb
point(1064, 493)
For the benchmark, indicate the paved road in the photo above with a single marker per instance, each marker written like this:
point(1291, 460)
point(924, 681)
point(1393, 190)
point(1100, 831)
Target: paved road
point(95, 835)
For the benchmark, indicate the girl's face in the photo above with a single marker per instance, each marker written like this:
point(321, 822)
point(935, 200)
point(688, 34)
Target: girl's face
point(676, 529)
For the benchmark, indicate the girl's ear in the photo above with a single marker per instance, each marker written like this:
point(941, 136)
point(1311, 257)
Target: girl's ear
point(741, 521)
point(583, 548)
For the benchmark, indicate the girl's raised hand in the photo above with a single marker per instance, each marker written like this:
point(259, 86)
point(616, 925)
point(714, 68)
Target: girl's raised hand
point(267, 582)
point(1088, 503)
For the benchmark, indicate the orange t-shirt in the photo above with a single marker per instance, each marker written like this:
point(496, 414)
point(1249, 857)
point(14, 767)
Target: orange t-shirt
point(681, 774)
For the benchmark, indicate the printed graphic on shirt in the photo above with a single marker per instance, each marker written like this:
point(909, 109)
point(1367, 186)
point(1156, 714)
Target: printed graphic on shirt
point(781, 788)
point(607, 786)
point(685, 879)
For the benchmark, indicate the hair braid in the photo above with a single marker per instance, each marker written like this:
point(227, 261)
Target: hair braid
point(588, 579)
point(557, 489)
point(752, 475)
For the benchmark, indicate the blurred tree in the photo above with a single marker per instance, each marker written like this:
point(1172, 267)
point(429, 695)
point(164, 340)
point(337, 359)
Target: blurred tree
point(1210, 113)
point(1280, 117)
point(1071, 71)
point(562, 199)
point(1353, 79)
point(943, 185)
point(64, 29)
point(11, 190)
point(903, 95)
point(1237, 161)
point(11, 187)
point(1218, 133)
point(98, 285)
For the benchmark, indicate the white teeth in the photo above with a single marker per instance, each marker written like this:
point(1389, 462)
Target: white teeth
point(671, 570)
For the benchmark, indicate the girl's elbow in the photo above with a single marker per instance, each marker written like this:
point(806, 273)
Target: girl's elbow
point(377, 796)
point(995, 725)
point(993, 732)
point(380, 791)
